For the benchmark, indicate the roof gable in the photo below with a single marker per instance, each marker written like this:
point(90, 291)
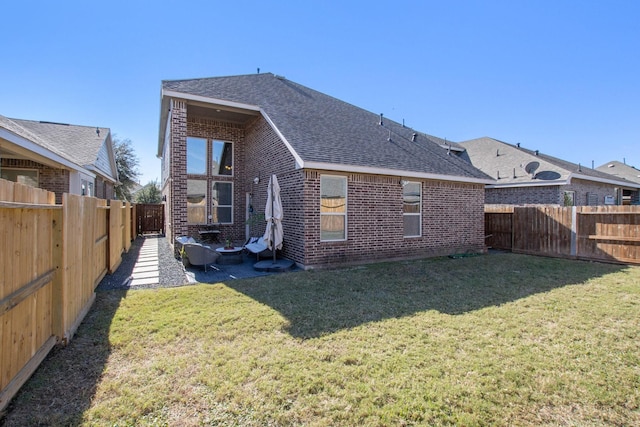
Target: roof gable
point(323, 130)
point(514, 165)
point(621, 171)
point(86, 146)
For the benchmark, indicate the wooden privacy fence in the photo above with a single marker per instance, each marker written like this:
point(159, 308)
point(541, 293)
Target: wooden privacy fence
point(51, 259)
point(598, 233)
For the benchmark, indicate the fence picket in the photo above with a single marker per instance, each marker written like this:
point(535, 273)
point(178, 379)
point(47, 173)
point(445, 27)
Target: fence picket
point(52, 258)
point(599, 233)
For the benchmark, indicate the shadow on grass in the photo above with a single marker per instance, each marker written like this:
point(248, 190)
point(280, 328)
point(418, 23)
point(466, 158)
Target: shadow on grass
point(62, 388)
point(325, 301)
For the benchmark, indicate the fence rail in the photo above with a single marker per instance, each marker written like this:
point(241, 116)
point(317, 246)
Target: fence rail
point(51, 259)
point(598, 233)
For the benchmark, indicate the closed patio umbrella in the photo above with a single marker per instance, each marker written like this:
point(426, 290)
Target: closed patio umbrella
point(273, 234)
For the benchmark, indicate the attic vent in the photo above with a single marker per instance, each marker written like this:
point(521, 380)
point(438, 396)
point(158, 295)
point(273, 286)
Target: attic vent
point(537, 152)
point(98, 131)
point(413, 137)
point(381, 122)
point(518, 144)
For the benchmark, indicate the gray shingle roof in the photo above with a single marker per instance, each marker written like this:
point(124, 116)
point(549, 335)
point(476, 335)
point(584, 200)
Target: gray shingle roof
point(81, 144)
point(323, 129)
point(509, 163)
point(621, 171)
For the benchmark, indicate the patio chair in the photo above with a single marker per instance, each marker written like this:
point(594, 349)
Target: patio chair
point(200, 255)
point(256, 246)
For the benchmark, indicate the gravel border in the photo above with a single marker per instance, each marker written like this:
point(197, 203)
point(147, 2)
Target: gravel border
point(171, 271)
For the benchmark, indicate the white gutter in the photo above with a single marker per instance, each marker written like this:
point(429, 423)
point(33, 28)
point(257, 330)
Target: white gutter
point(40, 151)
point(392, 172)
point(530, 184)
point(566, 182)
point(603, 180)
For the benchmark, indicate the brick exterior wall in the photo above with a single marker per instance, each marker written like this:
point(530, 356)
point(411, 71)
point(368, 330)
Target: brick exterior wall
point(551, 194)
point(50, 179)
point(177, 213)
point(452, 220)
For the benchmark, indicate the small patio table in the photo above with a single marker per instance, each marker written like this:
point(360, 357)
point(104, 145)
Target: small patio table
point(230, 255)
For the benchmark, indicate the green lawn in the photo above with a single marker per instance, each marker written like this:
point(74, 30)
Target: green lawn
point(489, 340)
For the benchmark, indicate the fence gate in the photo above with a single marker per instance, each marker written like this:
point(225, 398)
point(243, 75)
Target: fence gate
point(150, 218)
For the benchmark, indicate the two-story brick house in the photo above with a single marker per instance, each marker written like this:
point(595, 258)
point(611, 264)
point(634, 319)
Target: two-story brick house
point(355, 186)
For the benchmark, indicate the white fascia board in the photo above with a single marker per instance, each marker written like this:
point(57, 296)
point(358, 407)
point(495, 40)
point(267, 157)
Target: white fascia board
point(299, 162)
point(40, 151)
point(529, 184)
point(165, 113)
point(392, 172)
point(208, 100)
point(604, 180)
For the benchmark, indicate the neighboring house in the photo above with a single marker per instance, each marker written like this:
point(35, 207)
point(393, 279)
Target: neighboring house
point(58, 157)
point(355, 186)
point(529, 177)
point(623, 171)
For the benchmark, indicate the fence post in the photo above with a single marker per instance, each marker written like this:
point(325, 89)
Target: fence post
point(58, 289)
point(574, 231)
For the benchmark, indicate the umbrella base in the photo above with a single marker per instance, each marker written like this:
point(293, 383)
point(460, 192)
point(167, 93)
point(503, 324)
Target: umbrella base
point(271, 266)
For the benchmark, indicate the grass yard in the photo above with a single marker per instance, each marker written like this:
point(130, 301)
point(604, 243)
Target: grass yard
point(490, 340)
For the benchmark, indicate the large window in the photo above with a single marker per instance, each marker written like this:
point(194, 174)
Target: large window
point(222, 160)
point(23, 176)
point(412, 208)
point(333, 208)
point(196, 156)
point(222, 202)
point(196, 201)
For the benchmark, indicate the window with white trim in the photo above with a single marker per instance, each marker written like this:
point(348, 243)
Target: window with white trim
point(196, 201)
point(222, 158)
point(569, 198)
point(23, 176)
point(222, 203)
point(333, 208)
point(196, 156)
point(412, 208)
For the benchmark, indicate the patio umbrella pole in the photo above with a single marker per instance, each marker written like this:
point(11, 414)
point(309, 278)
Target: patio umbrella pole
point(273, 225)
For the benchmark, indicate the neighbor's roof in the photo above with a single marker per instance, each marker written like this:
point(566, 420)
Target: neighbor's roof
point(514, 166)
point(325, 132)
point(79, 144)
point(621, 171)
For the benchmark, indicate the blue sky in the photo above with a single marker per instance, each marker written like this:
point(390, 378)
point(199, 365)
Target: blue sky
point(558, 76)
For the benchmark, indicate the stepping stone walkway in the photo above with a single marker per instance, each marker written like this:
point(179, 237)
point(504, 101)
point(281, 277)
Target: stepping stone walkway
point(145, 270)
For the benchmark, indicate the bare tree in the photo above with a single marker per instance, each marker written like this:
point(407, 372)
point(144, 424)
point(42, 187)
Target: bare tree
point(127, 165)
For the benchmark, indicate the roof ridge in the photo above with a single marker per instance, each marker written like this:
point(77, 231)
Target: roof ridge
point(219, 77)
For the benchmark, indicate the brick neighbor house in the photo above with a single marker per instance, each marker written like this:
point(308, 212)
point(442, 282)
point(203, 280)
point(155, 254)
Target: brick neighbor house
point(355, 186)
point(58, 157)
point(626, 172)
point(529, 177)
